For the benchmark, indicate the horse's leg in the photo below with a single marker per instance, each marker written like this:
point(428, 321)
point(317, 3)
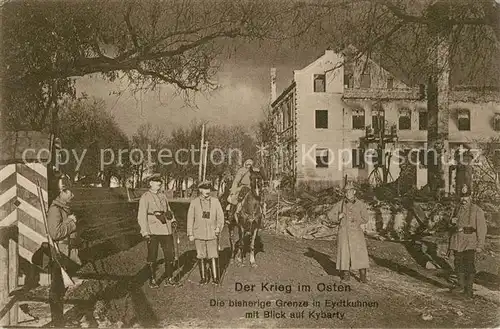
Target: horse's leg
point(241, 244)
point(232, 241)
point(252, 246)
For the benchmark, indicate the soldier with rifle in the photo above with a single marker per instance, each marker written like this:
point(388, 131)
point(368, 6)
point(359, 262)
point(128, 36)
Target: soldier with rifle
point(468, 234)
point(352, 254)
point(61, 223)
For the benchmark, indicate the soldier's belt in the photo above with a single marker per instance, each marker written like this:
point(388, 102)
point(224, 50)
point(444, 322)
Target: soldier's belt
point(467, 230)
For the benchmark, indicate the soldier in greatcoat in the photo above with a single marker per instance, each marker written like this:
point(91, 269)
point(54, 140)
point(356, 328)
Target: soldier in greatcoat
point(157, 223)
point(352, 254)
point(467, 237)
point(61, 223)
point(205, 221)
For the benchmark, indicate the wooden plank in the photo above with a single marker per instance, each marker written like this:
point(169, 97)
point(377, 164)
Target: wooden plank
point(13, 276)
point(4, 275)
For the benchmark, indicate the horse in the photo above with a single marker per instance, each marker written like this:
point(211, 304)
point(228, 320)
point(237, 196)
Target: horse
point(248, 219)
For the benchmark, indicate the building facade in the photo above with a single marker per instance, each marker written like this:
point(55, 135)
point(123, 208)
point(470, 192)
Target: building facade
point(321, 119)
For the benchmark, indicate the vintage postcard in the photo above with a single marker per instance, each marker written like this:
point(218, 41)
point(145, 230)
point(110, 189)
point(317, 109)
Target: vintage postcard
point(250, 163)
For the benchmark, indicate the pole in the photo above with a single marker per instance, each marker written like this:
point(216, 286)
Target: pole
point(13, 270)
point(201, 151)
point(205, 161)
point(4, 275)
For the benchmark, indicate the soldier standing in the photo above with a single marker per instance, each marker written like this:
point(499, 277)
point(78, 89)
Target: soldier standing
point(352, 253)
point(205, 221)
point(157, 223)
point(468, 237)
point(61, 223)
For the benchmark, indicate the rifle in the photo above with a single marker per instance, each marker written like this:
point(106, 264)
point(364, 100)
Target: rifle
point(55, 253)
point(343, 195)
point(451, 230)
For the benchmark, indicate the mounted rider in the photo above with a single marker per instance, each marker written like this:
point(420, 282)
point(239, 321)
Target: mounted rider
point(241, 180)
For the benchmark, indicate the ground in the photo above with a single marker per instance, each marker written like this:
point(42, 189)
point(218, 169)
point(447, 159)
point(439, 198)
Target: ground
point(400, 292)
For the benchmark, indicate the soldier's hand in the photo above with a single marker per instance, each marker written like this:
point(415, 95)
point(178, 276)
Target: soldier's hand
point(72, 217)
point(454, 220)
point(147, 237)
point(478, 250)
point(191, 238)
point(217, 231)
point(341, 216)
point(174, 224)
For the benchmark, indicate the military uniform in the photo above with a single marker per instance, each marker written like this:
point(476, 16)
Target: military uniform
point(61, 224)
point(205, 220)
point(157, 233)
point(242, 178)
point(352, 253)
point(468, 235)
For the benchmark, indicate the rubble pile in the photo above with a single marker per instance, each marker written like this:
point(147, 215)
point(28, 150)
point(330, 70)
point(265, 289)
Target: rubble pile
point(392, 217)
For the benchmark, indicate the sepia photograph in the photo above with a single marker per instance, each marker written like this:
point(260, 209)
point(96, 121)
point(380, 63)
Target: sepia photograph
point(250, 163)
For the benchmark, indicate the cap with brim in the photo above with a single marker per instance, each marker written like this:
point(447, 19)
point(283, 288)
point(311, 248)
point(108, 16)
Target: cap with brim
point(155, 178)
point(205, 185)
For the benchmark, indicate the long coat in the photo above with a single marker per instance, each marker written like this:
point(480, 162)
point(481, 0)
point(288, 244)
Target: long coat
point(148, 204)
point(204, 228)
point(469, 215)
point(352, 253)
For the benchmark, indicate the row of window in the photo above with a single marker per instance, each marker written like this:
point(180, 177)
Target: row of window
point(358, 157)
point(404, 120)
point(319, 85)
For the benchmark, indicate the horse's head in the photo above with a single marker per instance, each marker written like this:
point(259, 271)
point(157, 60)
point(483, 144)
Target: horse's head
point(256, 182)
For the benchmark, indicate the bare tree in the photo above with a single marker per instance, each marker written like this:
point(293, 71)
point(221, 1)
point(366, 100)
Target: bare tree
point(47, 44)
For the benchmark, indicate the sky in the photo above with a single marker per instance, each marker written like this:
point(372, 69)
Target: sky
point(244, 80)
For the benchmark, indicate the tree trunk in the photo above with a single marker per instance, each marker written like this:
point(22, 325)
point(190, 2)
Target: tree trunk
point(438, 118)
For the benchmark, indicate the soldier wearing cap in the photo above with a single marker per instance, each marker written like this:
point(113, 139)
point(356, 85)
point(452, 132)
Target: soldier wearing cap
point(61, 223)
point(205, 221)
point(352, 253)
point(468, 237)
point(157, 223)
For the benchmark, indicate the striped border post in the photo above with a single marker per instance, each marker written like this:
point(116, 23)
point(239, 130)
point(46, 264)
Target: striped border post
point(19, 204)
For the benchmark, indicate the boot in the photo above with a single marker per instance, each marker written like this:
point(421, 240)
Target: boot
point(201, 265)
point(346, 276)
point(152, 276)
point(169, 269)
point(460, 287)
point(469, 282)
point(362, 275)
point(215, 272)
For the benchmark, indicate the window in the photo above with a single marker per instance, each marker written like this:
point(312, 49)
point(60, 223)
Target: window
point(319, 83)
point(463, 120)
point(366, 81)
point(390, 83)
point(322, 158)
point(358, 160)
point(348, 80)
point(358, 119)
point(321, 119)
point(404, 119)
point(422, 120)
point(496, 122)
point(378, 120)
